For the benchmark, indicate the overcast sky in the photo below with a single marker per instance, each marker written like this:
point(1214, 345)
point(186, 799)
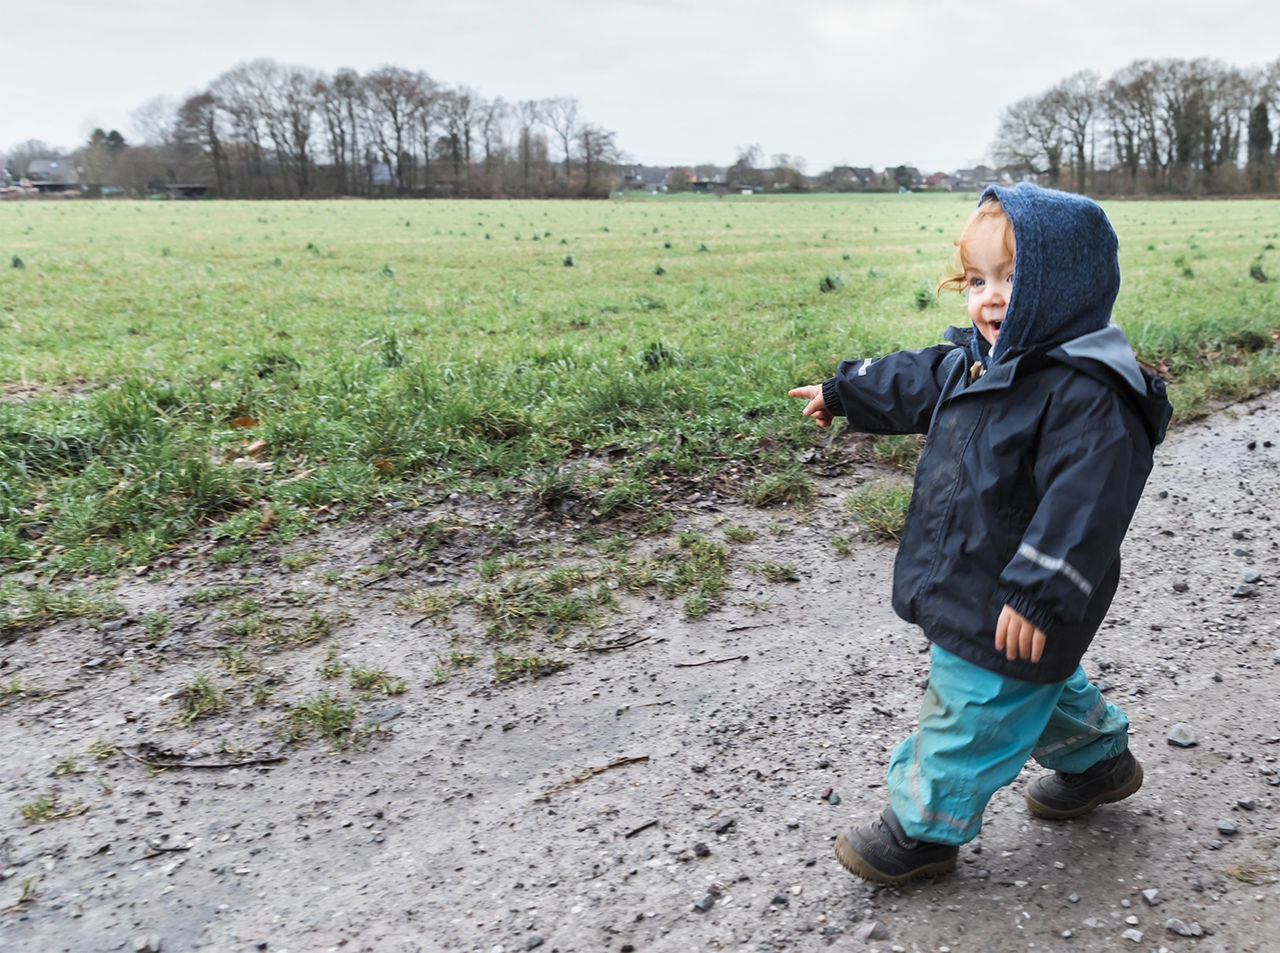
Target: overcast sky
point(858, 82)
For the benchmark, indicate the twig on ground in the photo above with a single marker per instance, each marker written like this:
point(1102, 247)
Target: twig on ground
point(588, 774)
point(712, 661)
point(641, 829)
point(157, 764)
point(615, 645)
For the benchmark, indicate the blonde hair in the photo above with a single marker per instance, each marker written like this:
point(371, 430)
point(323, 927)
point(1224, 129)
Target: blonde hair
point(954, 279)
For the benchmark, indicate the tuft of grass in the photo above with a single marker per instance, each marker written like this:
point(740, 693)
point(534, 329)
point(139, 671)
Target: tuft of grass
point(28, 890)
point(50, 807)
point(378, 681)
point(739, 534)
point(432, 603)
point(898, 450)
point(40, 606)
point(102, 750)
point(830, 283)
point(200, 699)
point(790, 486)
point(882, 507)
point(236, 663)
point(155, 626)
point(843, 545)
point(450, 663)
point(326, 717)
point(509, 667)
point(775, 571)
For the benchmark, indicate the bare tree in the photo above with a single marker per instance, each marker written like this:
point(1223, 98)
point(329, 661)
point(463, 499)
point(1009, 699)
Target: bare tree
point(1032, 136)
point(599, 151)
point(393, 103)
point(196, 129)
point(1077, 97)
point(561, 116)
point(528, 116)
point(493, 115)
point(459, 110)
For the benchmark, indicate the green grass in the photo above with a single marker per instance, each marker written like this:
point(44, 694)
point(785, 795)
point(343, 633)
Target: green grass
point(882, 507)
point(172, 368)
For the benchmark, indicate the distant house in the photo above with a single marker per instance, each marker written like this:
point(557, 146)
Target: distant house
point(939, 180)
point(849, 177)
point(53, 175)
point(974, 180)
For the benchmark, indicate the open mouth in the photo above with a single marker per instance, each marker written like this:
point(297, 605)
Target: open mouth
point(995, 326)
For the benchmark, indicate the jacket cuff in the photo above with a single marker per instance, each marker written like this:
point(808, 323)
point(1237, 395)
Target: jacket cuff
point(1025, 606)
point(831, 397)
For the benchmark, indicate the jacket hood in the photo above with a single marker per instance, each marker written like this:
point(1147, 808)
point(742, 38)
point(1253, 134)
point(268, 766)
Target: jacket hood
point(1106, 356)
point(1066, 271)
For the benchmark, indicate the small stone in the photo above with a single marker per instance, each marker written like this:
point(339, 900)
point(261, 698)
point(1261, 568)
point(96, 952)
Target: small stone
point(1244, 591)
point(1104, 665)
point(1246, 803)
point(699, 769)
point(1104, 685)
point(533, 942)
point(1226, 828)
point(705, 904)
point(148, 944)
point(701, 850)
point(781, 899)
point(1182, 736)
point(1180, 587)
point(833, 798)
point(724, 825)
point(1066, 934)
point(1131, 920)
point(1249, 574)
point(1182, 928)
point(1132, 934)
point(1151, 895)
point(1124, 902)
point(872, 930)
point(1073, 898)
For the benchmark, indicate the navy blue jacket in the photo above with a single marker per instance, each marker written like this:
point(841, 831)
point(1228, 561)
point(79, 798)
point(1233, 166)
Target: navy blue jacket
point(1030, 473)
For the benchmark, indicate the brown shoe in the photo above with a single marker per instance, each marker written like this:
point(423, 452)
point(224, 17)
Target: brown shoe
point(1060, 796)
point(882, 852)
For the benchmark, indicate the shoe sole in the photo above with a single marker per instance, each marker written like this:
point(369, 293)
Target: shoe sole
point(856, 864)
point(1107, 797)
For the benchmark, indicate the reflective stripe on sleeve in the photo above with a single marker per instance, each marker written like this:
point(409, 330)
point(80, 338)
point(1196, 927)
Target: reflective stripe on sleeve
point(1053, 564)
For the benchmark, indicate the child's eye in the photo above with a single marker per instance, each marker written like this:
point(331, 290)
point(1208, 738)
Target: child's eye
point(976, 282)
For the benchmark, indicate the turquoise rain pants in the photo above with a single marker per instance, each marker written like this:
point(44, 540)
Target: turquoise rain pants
point(976, 731)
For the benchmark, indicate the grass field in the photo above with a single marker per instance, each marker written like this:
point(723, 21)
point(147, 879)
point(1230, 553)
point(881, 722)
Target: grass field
point(169, 366)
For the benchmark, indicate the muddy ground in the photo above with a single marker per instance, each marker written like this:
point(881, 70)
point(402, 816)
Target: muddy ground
point(677, 786)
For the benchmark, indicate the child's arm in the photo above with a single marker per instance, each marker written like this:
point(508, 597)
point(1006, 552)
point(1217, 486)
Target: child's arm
point(1089, 474)
point(893, 394)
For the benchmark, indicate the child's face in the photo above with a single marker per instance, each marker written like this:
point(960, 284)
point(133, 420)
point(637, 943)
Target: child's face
point(988, 275)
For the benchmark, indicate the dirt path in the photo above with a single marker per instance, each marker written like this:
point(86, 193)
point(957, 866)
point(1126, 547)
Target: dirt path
point(678, 793)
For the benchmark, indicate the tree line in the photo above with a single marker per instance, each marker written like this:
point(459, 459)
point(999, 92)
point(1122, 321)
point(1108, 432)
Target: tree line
point(264, 129)
point(1184, 127)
